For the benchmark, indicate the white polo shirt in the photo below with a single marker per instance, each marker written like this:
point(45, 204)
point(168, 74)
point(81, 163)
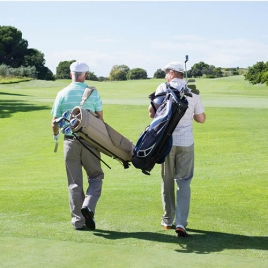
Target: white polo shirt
point(183, 133)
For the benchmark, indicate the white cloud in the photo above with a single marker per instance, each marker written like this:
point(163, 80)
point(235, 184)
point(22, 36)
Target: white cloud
point(155, 54)
point(218, 52)
point(95, 60)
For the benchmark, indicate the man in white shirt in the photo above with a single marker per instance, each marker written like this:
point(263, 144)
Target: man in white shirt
point(179, 164)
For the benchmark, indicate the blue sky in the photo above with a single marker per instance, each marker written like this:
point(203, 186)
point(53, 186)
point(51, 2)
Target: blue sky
point(144, 34)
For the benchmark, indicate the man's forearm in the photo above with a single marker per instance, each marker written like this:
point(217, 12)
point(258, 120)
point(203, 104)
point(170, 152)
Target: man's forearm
point(55, 127)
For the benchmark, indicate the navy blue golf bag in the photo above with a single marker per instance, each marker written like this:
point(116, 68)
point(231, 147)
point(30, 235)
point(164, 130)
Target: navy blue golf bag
point(155, 143)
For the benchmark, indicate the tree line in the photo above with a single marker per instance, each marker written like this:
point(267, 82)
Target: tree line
point(14, 53)
point(258, 73)
point(117, 73)
point(16, 59)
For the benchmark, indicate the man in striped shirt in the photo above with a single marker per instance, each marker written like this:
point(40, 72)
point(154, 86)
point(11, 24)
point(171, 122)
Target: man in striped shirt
point(179, 164)
point(76, 156)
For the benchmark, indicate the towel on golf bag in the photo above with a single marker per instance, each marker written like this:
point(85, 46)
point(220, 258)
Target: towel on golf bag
point(155, 143)
point(101, 136)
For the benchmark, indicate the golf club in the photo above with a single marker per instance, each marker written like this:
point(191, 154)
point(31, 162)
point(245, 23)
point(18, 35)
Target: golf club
point(66, 129)
point(186, 59)
point(66, 114)
point(185, 90)
point(56, 147)
point(73, 122)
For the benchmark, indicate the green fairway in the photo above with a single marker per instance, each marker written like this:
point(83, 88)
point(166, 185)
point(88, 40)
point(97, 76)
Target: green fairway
point(228, 222)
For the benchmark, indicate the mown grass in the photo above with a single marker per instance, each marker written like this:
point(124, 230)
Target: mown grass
point(228, 216)
point(12, 80)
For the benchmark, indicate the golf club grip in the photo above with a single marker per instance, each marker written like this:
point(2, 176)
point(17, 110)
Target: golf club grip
point(56, 147)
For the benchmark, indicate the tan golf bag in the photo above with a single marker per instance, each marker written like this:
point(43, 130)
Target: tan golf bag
point(101, 136)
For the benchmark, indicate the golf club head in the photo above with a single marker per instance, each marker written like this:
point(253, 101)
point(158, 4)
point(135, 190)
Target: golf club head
point(66, 114)
point(58, 120)
point(186, 58)
point(195, 91)
point(62, 123)
point(66, 130)
point(73, 122)
point(191, 80)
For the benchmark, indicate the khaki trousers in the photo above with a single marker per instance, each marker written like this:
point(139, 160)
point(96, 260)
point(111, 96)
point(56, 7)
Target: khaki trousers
point(77, 157)
point(178, 168)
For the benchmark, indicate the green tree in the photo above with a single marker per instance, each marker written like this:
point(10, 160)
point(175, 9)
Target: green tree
point(198, 69)
point(91, 76)
point(45, 73)
point(14, 53)
point(217, 71)
point(189, 73)
point(6, 71)
point(36, 58)
point(63, 69)
point(119, 72)
point(265, 78)
point(196, 72)
point(159, 74)
point(137, 73)
point(103, 79)
point(208, 70)
point(256, 74)
point(13, 47)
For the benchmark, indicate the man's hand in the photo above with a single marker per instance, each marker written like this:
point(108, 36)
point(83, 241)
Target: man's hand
point(56, 137)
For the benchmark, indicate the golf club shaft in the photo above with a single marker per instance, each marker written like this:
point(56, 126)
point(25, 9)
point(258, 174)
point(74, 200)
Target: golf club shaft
point(185, 66)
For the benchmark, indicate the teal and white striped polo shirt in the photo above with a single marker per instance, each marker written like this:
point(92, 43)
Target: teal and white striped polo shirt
point(71, 96)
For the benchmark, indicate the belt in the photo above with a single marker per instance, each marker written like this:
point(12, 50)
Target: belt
point(69, 137)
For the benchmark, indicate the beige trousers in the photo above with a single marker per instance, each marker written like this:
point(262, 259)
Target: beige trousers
point(77, 157)
point(178, 168)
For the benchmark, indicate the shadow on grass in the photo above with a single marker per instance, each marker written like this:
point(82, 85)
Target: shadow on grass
point(9, 107)
point(200, 242)
point(12, 94)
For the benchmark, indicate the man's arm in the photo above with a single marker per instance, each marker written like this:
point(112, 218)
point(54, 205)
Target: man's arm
point(200, 118)
point(151, 110)
point(100, 115)
point(55, 127)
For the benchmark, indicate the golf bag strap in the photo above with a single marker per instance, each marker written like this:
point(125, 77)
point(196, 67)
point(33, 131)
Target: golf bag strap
point(153, 96)
point(86, 95)
point(152, 103)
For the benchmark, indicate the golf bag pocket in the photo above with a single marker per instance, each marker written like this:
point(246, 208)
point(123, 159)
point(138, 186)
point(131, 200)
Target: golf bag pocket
point(119, 140)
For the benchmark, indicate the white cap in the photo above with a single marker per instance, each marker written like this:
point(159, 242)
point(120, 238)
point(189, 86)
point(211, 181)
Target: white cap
point(79, 67)
point(174, 66)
